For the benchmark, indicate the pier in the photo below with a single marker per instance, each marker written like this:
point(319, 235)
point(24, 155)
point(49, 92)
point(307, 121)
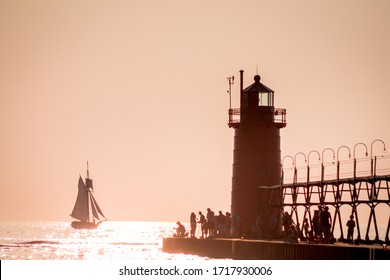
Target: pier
point(246, 249)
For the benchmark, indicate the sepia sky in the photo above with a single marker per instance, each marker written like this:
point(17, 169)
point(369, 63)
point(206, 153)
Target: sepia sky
point(139, 89)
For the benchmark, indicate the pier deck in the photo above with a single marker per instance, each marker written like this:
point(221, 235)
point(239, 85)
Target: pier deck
point(247, 249)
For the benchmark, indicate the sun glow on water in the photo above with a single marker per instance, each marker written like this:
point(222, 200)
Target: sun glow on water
point(112, 240)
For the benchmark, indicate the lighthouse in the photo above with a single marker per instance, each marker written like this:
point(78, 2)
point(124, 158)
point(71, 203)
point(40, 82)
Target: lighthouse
point(256, 178)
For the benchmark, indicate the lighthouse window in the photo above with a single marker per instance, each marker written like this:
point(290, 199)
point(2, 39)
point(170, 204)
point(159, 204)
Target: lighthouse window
point(264, 98)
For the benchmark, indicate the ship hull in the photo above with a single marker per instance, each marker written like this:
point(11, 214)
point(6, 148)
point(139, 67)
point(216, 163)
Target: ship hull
point(84, 225)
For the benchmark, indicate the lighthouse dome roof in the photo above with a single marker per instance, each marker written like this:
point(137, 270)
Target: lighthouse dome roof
point(257, 86)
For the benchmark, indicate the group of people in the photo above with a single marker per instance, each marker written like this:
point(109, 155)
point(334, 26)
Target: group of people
point(320, 227)
point(322, 221)
point(224, 225)
point(264, 224)
point(211, 225)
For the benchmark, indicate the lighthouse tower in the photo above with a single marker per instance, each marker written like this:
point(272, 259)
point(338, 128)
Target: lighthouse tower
point(256, 160)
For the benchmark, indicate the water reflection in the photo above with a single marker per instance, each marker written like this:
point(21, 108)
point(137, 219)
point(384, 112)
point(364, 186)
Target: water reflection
point(111, 241)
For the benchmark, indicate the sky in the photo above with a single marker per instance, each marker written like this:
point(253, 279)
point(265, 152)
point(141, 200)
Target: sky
point(139, 90)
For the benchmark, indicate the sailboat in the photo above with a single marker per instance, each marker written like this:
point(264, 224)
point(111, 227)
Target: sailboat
point(86, 211)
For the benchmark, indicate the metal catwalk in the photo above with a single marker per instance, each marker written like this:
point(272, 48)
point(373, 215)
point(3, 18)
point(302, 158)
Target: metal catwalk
point(358, 187)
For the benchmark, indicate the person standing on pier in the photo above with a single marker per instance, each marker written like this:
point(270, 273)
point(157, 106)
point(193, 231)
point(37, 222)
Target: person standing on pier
point(228, 220)
point(193, 224)
point(325, 222)
point(210, 222)
point(202, 222)
point(287, 222)
point(220, 224)
point(236, 223)
point(351, 226)
point(306, 228)
point(316, 222)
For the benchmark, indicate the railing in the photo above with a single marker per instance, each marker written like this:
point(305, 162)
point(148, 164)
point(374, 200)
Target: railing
point(234, 116)
point(336, 170)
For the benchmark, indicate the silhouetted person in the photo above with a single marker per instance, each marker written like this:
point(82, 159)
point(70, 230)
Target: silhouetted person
point(316, 224)
point(319, 228)
point(228, 221)
point(255, 225)
point(292, 235)
point(236, 223)
point(210, 222)
point(299, 231)
point(202, 222)
point(193, 224)
point(325, 222)
point(220, 224)
point(311, 236)
point(351, 226)
point(273, 222)
point(306, 227)
point(180, 230)
point(287, 222)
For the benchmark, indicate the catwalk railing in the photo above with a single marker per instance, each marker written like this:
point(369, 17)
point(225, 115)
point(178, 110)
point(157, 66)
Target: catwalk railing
point(235, 116)
point(358, 186)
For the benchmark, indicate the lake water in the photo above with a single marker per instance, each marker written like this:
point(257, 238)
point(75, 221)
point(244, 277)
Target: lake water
point(117, 245)
point(111, 241)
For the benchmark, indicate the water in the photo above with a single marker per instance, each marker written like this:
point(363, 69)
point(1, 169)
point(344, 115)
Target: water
point(111, 241)
point(140, 242)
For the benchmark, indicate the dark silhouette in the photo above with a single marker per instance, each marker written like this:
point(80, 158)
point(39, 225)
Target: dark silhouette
point(316, 223)
point(259, 124)
point(228, 221)
point(202, 222)
point(351, 226)
point(306, 227)
point(210, 222)
point(325, 222)
point(273, 223)
point(220, 224)
point(292, 235)
point(236, 224)
point(180, 230)
point(256, 226)
point(287, 222)
point(193, 224)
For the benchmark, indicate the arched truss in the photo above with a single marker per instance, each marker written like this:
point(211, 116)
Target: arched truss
point(342, 195)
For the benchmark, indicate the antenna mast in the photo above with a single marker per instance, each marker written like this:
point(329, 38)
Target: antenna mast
point(231, 82)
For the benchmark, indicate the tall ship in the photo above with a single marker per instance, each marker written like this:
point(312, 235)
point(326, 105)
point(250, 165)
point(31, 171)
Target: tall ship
point(86, 212)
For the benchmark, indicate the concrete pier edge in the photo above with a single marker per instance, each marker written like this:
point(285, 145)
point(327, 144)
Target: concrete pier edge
point(247, 249)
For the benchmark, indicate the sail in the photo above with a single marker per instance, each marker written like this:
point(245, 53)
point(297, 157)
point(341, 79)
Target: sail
point(88, 183)
point(80, 210)
point(96, 211)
